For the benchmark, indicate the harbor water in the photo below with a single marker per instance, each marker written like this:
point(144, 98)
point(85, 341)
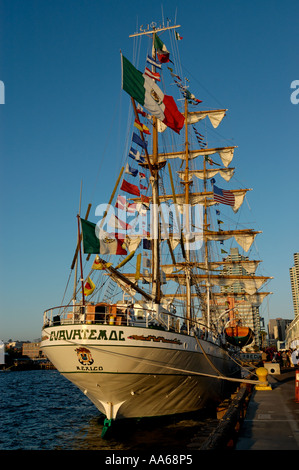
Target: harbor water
point(41, 410)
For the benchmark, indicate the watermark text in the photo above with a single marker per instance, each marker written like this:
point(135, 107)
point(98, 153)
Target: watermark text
point(176, 222)
point(295, 94)
point(2, 93)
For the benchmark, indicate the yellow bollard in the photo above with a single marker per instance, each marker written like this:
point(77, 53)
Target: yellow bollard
point(262, 374)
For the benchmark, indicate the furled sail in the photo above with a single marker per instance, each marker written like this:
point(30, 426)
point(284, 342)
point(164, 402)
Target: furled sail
point(226, 154)
point(250, 266)
point(215, 116)
point(203, 198)
point(255, 299)
point(225, 173)
point(249, 284)
point(244, 238)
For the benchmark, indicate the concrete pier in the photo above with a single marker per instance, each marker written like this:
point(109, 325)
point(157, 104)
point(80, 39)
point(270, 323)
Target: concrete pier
point(272, 417)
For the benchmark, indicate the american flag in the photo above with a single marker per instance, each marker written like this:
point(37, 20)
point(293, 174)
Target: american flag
point(223, 196)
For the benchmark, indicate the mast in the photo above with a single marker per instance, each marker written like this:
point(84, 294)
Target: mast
point(187, 218)
point(154, 180)
point(205, 242)
point(155, 226)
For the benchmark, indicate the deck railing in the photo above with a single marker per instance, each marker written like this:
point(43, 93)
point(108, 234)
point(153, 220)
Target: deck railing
point(115, 314)
point(104, 314)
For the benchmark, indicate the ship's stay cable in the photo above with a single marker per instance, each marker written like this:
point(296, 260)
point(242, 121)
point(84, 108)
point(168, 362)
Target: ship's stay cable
point(212, 365)
point(205, 355)
point(66, 287)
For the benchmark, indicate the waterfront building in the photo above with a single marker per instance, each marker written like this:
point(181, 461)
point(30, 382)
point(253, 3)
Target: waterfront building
point(277, 329)
point(247, 311)
point(33, 351)
point(294, 276)
point(292, 334)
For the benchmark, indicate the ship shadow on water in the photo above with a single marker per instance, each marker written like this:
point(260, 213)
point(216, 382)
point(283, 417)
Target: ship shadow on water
point(163, 432)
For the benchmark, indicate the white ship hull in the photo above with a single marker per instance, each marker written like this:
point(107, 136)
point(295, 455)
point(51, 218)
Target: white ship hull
point(130, 372)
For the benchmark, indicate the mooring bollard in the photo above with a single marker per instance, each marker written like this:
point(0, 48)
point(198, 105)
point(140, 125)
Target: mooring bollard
point(262, 375)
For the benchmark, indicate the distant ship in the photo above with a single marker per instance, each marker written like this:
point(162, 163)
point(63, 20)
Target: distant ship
point(161, 348)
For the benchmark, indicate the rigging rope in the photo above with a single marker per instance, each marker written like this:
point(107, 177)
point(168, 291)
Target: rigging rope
point(66, 287)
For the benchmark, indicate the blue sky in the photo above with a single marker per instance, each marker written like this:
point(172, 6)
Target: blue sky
point(60, 64)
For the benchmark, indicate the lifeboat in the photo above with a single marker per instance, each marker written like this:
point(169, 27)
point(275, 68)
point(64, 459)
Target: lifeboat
point(239, 335)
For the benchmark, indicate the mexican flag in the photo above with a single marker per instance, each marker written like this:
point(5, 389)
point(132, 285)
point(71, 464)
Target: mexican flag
point(103, 246)
point(145, 91)
point(162, 52)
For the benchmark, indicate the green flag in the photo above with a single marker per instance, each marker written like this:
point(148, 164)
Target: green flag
point(103, 246)
point(91, 243)
point(133, 81)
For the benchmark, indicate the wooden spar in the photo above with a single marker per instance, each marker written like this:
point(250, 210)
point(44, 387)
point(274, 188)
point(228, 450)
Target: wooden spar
point(81, 267)
point(154, 30)
point(142, 138)
point(125, 279)
point(203, 277)
point(138, 264)
point(125, 261)
point(79, 240)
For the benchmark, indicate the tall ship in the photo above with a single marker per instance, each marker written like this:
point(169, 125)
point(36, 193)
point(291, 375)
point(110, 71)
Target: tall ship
point(152, 327)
